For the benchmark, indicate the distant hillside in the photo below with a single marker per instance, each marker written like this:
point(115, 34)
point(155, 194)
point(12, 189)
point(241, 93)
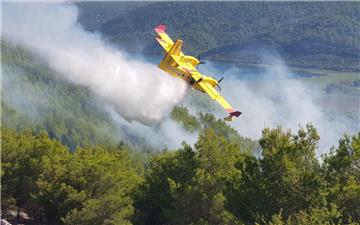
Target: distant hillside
point(323, 35)
point(94, 14)
point(35, 97)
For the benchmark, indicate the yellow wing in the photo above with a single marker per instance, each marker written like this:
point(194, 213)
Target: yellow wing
point(214, 94)
point(206, 84)
point(187, 67)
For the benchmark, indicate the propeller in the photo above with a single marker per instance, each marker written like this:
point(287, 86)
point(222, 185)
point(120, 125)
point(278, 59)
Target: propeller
point(219, 87)
point(200, 62)
point(219, 82)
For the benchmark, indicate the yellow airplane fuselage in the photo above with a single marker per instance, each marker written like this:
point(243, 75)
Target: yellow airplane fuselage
point(172, 69)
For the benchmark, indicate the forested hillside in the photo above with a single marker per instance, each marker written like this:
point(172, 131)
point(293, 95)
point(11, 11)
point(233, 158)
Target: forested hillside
point(67, 158)
point(322, 35)
point(35, 97)
point(65, 162)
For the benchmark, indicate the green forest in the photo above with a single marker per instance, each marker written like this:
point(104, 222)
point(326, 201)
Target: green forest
point(215, 182)
point(321, 35)
point(67, 163)
point(65, 160)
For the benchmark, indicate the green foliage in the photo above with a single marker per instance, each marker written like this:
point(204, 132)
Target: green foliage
point(318, 216)
point(89, 186)
point(189, 122)
point(22, 156)
point(221, 128)
point(214, 182)
point(285, 178)
point(104, 181)
point(153, 200)
point(313, 216)
point(218, 183)
point(185, 187)
point(342, 171)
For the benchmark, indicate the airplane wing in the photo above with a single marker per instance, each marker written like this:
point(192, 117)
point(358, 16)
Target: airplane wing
point(187, 67)
point(206, 86)
point(215, 95)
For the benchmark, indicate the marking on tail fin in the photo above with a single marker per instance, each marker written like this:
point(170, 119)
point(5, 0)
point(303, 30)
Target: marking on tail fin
point(161, 28)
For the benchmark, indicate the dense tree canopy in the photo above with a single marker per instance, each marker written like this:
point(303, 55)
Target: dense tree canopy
point(55, 186)
point(216, 181)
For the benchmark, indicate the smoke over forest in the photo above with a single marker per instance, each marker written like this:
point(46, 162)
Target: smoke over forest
point(138, 91)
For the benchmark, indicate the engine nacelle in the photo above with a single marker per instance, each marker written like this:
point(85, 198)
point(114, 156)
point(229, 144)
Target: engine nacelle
point(192, 60)
point(210, 80)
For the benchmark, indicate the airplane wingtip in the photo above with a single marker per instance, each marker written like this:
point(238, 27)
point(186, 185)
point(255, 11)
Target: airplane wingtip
point(232, 113)
point(235, 113)
point(161, 28)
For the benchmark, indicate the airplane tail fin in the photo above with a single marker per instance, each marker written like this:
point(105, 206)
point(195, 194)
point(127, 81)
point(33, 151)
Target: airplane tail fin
point(232, 114)
point(174, 51)
point(176, 48)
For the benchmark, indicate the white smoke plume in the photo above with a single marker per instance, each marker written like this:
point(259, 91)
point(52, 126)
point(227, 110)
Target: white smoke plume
point(137, 90)
point(279, 99)
point(165, 135)
point(141, 92)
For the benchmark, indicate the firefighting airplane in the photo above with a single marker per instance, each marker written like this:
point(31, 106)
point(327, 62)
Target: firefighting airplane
point(176, 63)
